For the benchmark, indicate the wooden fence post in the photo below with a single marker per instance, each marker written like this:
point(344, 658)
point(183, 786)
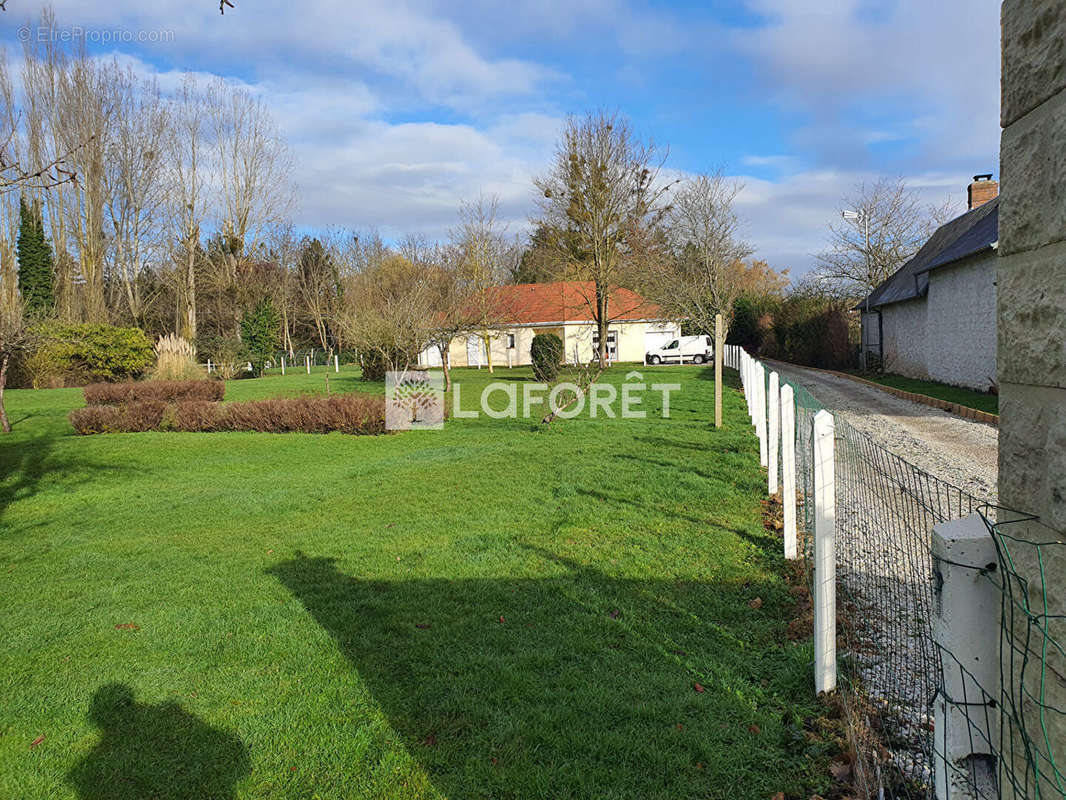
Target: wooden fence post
point(825, 607)
point(773, 410)
point(718, 355)
point(788, 468)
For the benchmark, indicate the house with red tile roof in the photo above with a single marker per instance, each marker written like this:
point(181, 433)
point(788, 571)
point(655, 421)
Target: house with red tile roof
point(564, 308)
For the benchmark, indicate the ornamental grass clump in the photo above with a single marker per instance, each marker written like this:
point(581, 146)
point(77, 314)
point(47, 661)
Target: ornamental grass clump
point(175, 360)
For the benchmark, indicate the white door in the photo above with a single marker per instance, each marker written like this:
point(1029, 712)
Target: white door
point(431, 357)
point(474, 351)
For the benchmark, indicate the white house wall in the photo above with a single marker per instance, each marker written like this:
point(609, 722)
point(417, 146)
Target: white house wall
point(903, 330)
point(961, 323)
point(949, 335)
point(577, 338)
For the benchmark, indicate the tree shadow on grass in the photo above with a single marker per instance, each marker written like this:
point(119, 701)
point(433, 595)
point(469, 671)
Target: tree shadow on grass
point(161, 752)
point(578, 685)
point(25, 463)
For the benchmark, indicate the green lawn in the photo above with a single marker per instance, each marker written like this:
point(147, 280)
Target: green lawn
point(494, 610)
point(982, 401)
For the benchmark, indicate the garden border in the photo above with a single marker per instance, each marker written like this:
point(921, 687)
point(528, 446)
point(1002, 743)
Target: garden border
point(959, 410)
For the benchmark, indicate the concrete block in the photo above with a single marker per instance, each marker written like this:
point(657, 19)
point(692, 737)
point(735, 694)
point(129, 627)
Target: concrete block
point(1032, 317)
point(1032, 210)
point(1034, 64)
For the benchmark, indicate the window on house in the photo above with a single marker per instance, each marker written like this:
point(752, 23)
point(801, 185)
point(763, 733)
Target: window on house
point(612, 343)
point(510, 341)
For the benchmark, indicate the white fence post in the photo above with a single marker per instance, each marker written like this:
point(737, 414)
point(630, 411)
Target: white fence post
point(966, 625)
point(773, 408)
point(825, 610)
point(307, 361)
point(760, 412)
point(283, 365)
point(336, 363)
point(788, 468)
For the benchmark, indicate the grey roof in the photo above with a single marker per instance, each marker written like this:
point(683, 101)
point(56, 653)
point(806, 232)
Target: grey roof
point(966, 235)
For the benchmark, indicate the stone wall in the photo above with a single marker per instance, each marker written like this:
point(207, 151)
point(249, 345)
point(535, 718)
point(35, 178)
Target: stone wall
point(1032, 338)
point(960, 327)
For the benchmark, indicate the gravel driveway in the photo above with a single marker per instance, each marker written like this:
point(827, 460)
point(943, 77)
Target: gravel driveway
point(956, 450)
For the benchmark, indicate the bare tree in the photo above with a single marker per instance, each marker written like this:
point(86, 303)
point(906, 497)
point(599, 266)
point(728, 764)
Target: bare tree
point(43, 77)
point(187, 160)
point(702, 273)
point(14, 338)
point(252, 165)
point(84, 119)
point(387, 312)
point(484, 256)
point(603, 198)
point(136, 172)
point(456, 304)
point(898, 223)
point(317, 282)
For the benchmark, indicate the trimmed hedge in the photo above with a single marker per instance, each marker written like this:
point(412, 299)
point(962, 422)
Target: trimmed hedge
point(355, 414)
point(113, 394)
point(546, 354)
point(128, 418)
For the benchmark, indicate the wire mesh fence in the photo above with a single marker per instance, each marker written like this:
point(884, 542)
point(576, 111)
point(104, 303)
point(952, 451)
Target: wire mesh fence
point(886, 509)
point(913, 704)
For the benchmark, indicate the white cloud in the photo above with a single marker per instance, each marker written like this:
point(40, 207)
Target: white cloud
point(932, 67)
point(786, 220)
point(425, 55)
point(398, 112)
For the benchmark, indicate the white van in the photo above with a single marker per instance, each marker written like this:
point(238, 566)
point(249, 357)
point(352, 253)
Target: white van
point(686, 349)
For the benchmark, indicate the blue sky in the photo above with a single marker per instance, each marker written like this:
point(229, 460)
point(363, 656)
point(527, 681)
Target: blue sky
point(398, 111)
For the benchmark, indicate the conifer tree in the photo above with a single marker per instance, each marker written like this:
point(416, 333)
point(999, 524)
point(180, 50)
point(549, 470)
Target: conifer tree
point(36, 278)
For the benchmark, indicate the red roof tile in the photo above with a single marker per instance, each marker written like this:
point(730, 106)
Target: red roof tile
point(568, 301)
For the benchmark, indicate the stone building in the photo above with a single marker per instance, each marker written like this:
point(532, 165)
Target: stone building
point(1032, 385)
point(935, 317)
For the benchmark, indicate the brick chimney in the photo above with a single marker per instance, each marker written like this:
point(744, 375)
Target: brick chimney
point(981, 190)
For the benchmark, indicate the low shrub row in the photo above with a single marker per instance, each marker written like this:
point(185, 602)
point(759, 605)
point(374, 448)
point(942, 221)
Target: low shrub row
point(113, 394)
point(348, 413)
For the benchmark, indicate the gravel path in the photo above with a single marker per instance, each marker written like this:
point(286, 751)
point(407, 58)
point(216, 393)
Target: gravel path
point(958, 451)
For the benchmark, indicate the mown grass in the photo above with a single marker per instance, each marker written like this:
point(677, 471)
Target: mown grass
point(494, 610)
point(982, 401)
